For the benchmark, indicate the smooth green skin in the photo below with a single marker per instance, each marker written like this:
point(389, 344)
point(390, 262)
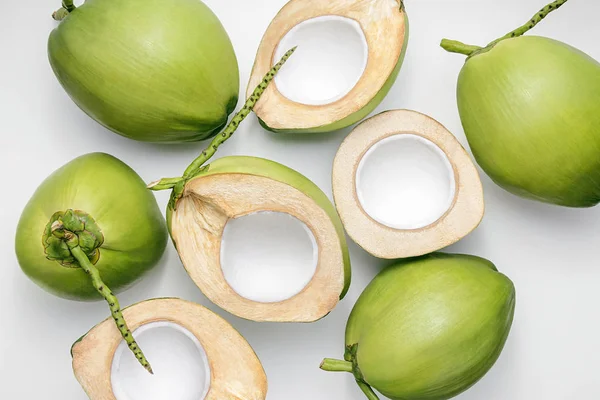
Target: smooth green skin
point(150, 70)
point(116, 197)
point(429, 328)
point(530, 108)
point(363, 112)
point(281, 173)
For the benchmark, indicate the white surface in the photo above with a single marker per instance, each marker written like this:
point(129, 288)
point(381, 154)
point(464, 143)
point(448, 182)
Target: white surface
point(268, 256)
point(179, 363)
point(405, 182)
point(552, 254)
point(331, 57)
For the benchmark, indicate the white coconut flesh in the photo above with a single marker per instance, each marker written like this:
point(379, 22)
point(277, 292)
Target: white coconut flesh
point(259, 248)
point(347, 51)
point(331, 57)
point(195, 354)
point(179, 362)
point(268, 256)
point(405, 182)
point(404, 186)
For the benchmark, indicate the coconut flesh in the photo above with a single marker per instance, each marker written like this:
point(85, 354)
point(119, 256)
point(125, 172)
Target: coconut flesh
point(331, 58)
point(180, 364)
point(420, 190)
point(268, 256)
point(404, 186)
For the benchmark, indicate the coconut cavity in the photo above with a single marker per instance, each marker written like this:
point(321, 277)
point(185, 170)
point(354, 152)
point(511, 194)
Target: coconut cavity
point(181, 369)
point(405, 182)
point(331, 58)
point(404, 186)
point(268, 256)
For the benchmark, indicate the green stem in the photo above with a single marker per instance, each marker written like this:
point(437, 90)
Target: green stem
point(238, 118)
point(198, 164)
point(537, 18)
point(164, 184)
point(469, 50)
point(455, 46)
point(367, 390)
point(333, 365)
point(61, 13)
point(85, 264)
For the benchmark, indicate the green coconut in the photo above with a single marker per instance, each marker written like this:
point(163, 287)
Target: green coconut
point(385, 26)
point(428, 328)
point(233, 187)
point(150, 70)
point(207, 196)
point(91, 230)
point(530, 107)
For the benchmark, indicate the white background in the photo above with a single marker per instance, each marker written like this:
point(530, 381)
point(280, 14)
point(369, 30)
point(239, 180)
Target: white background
point(551, 253)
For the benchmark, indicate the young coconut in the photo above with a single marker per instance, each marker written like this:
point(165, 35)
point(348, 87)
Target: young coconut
point(428, 328)
point(351, 54)
point(259, 239)
point(197, 355)
point(91, 230)
point(404, 186)
point(530, 107)
point(150, 70)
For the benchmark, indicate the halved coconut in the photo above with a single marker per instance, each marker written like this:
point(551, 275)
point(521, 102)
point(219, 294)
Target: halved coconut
point(261, 241)
point(349, 55)
point(404, 186)
point(196, 355)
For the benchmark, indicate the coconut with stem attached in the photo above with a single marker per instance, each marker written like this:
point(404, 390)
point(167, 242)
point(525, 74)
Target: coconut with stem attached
point(209, 200)
point(90, 230)
point(427, 328)
point(530, 107)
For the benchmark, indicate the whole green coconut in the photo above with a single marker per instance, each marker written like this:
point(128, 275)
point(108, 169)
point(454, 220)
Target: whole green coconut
point(123, 211)
point(90, 230)
point(530, 107)
point(150, 70)
point(428, 328)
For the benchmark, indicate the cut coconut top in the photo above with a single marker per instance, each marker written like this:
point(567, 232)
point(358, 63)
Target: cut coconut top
point(404, 186)
point(195, 354)
point(347, 51)
point(262, 241)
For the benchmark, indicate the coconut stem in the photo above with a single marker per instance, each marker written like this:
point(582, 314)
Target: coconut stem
point(333, 365)
point(238, 118)
point(72, 242)
point(198, 164)
point(367, 390)
point(470, 50)
point(455, 46)
point(61, 13)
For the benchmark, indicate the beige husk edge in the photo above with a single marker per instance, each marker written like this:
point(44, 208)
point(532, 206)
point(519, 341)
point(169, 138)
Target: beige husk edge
point(236, 372)
point(384, 27)
point(464, 215)
point(197, 226)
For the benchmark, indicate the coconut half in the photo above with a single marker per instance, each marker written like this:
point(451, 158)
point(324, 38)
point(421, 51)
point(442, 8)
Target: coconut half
point(348, 57)
point(261, 241)
point(404, 186)
point(196, 355)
